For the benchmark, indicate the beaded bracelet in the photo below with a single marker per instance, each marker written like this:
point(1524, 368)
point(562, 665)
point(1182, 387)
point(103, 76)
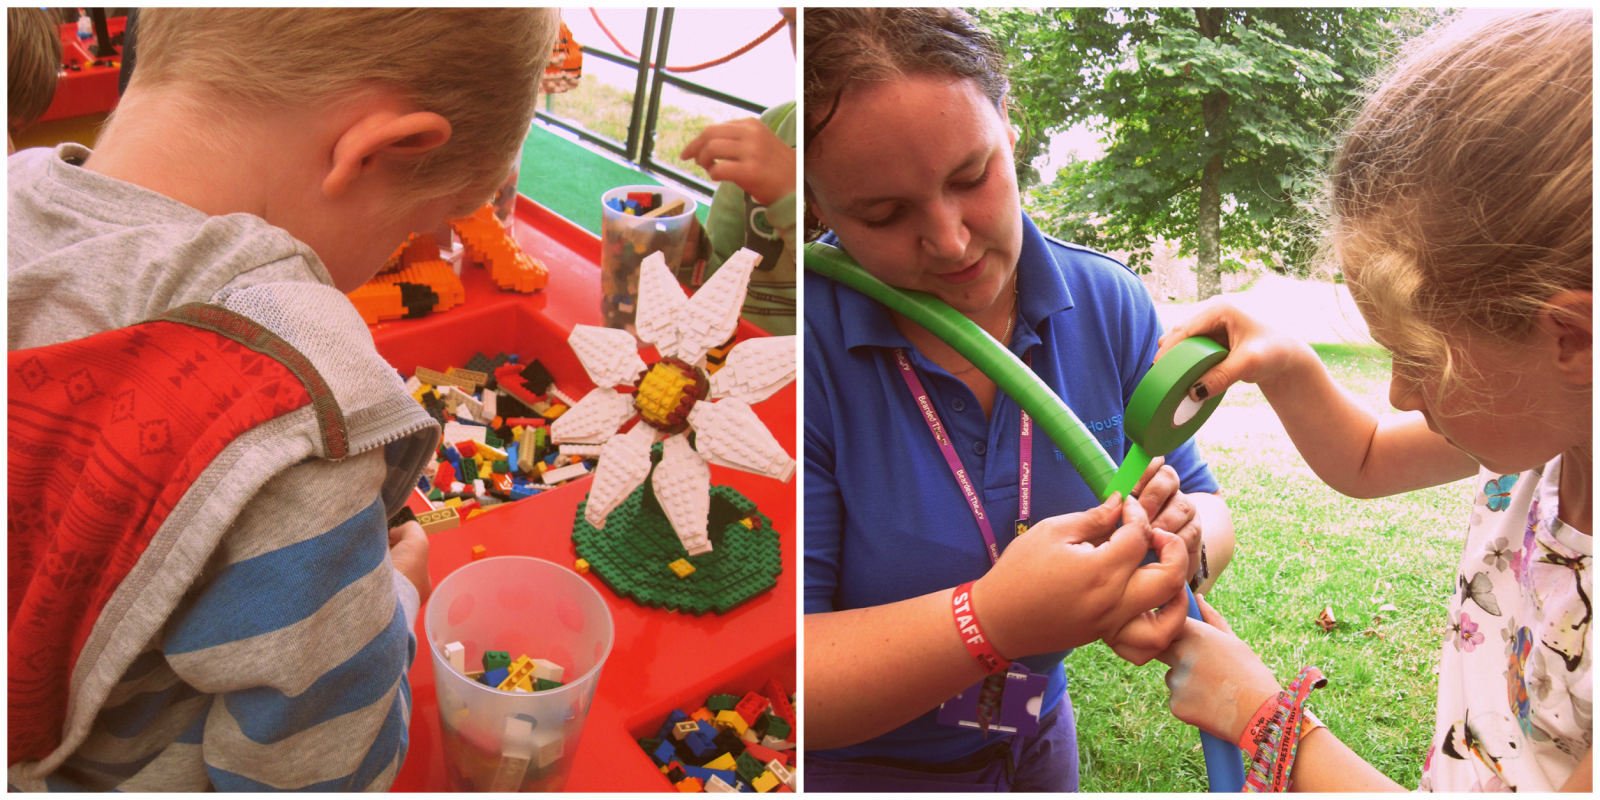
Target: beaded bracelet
point(1272, 737)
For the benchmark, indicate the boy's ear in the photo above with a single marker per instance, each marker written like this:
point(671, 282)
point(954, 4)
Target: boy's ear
point(382, 133)
point(1568, 319)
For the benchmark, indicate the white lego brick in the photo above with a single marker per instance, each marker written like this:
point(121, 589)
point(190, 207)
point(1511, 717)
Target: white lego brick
point(412, 385)
point(549, 745)
point(491, 405)
point(727, 432)
point(717, 784)
point(609, 355)
point(566, 473)
point(756, 369)
point(455, 432)
point(774, 743)
point(582, 450)
point(624, 464)
point(594, 419)
point(547, 670)
point(661, 301)
point(456, 655)
point(683, 488)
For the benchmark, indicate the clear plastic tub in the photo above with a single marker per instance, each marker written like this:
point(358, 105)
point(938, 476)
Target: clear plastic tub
point(515, 741)
point(625, 241)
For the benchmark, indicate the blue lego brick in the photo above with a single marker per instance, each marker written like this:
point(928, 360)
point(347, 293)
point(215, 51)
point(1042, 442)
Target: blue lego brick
point(707, 728)
point(495, 677)
point(665, 732)
point(705, 774)
point(511, 453)
point(701, 745)
point(665, 753)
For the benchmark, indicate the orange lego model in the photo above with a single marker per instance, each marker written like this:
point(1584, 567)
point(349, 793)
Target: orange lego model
point(487, 243)
point(414, 282)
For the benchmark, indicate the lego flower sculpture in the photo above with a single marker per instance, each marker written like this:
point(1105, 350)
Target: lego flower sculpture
point(675, 396)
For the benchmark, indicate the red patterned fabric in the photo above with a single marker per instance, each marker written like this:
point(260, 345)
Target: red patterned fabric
point(107, 434)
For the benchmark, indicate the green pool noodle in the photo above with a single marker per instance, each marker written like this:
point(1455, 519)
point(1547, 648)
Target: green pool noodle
point(1159, 416)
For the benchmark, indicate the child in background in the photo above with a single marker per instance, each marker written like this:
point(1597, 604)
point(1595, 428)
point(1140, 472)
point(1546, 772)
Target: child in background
point(33, 57)
point(1462, 203)
point(253, 630)
point(755, 204)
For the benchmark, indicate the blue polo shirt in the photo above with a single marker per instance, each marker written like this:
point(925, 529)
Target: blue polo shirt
point(884, 518)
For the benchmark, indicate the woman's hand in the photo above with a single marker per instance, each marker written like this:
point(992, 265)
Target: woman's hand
point(1217, 682)
point(1256, 354)
point(1169, 510)
point(748, 153)
point(1075, 579)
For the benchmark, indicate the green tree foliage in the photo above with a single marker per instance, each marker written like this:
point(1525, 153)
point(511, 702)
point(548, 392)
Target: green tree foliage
point(1215, 121)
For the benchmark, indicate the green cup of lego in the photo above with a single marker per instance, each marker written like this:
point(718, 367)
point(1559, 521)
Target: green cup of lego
point(515, 741)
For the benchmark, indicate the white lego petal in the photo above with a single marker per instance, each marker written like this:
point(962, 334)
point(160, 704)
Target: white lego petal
point(624, 464)
point(683, 488)
point(727, 432)
point(713, 312)
point(755, 369)
point(661, 302)
point(594, 419)
point(609, 355)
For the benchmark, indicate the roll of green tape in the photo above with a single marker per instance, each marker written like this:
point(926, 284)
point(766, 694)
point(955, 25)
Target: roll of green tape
point(1160, 415)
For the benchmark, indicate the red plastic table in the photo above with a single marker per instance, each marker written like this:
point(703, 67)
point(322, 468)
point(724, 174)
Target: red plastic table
point(90, 89)
point(661, 660)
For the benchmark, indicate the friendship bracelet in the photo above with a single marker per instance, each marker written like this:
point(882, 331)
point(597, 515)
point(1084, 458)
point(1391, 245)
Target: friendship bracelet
point(972, 634)
point(1272, 738)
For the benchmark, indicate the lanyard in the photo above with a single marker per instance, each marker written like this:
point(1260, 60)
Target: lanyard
point(974, 503)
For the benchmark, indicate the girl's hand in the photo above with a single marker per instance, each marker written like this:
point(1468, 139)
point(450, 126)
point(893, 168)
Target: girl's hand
point(1146, 635)
point(1075, 579)
point(1169, 509)
point(1217, 682)
point(748, 153)
point(1257, 354)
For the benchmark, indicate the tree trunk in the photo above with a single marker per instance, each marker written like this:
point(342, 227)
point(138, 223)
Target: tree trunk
point(1214, 108)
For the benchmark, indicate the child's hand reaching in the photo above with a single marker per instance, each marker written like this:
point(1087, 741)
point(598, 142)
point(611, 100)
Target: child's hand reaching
point(1257, 354)
point(748, 153)
point(1217, 682)
point(1169, 511)
point(408, 550)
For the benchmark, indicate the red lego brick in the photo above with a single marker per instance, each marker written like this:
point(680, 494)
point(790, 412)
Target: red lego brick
point(751, 707)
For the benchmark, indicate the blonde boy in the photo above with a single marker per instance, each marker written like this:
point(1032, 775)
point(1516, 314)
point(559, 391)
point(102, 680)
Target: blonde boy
point(263, 161)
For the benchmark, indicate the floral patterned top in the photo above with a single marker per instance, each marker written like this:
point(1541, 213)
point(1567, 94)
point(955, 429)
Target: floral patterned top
point(1515, 701)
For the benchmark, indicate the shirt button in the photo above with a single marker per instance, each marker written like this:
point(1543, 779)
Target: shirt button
point(980, 448)
point(958, 404)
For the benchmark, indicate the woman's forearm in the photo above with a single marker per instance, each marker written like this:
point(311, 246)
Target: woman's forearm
point(871, 670)
point(1325, 764)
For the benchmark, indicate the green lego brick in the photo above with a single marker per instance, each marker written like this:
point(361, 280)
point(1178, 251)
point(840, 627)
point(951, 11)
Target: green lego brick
point(492, 440)
point(435, 495)
point(502, 466)
point(778, 728)
point(748, 767)
point(541, 684)
point(469, 470)
point(721, 702)
point(495, 659)
point(632, 553)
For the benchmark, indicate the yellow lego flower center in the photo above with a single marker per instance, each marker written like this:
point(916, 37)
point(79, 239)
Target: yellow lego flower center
point(666, 393)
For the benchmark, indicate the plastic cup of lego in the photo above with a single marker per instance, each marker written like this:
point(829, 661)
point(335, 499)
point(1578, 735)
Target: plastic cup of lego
point(502, 741)
point(626, 240)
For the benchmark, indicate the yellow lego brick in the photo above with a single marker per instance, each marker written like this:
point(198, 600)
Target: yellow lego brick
point(475, 512)
point(766, 783)
point(724, 761)
point(582, 566)
point(517, 672)
point(747, 523)
point(555, 411)
point(731, 719)
point(682, 568)
point(454, 502)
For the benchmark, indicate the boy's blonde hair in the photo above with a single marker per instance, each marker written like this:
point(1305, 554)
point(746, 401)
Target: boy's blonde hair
point(479, 68)
point(1461, 196)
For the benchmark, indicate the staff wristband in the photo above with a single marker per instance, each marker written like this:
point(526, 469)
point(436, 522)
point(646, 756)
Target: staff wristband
point(971, 631)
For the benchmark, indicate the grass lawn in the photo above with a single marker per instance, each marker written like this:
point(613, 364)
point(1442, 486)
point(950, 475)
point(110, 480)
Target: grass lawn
point(1302, 547)
point(605, 110)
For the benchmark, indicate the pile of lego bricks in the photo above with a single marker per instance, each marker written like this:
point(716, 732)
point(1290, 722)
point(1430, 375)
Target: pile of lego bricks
point(729, 744)
point(499, 671)
point(496, 445)
point(640, 204)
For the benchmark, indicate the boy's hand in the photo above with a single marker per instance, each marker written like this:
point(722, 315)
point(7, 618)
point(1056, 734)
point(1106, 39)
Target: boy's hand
point(408, 549)
point(1149, 633)
point(749, 154)
point(1169, 509)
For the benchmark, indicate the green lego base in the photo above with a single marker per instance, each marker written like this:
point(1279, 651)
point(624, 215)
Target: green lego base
point(632, 553)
